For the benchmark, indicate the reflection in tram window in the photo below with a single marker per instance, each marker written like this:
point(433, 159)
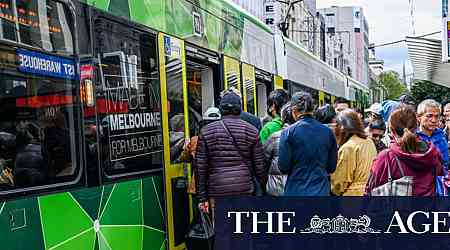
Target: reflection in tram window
point(128, 100)
point(42, 24)
point(176, 108)
point(38, 122)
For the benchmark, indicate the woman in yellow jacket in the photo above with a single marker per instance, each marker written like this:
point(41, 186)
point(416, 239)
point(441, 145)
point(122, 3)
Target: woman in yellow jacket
point(356, 154)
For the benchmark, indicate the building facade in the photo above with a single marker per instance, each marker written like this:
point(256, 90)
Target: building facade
point(376, 68)
point(254, 7)
point(296, 20)
point(348, 36)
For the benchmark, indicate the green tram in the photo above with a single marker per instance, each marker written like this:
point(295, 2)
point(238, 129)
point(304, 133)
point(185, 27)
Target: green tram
point(97, 98)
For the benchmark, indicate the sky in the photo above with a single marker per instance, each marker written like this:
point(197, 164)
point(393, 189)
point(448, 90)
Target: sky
point(390, 20)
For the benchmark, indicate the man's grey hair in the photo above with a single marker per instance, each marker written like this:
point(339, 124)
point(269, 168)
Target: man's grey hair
point(447, 106)
point(429, 103)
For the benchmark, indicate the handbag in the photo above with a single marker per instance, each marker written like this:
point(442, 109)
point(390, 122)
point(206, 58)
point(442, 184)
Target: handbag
point(201, 233)
point(257, 187)
point(400, 187)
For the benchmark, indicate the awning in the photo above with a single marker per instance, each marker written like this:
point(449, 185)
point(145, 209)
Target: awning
point(426, 58)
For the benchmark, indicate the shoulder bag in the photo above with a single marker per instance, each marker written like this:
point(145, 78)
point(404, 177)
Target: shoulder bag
point(400, 187)
point(257, 187)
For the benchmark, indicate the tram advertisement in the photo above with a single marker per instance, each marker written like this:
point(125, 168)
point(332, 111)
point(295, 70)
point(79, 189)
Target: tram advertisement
point(134, 118)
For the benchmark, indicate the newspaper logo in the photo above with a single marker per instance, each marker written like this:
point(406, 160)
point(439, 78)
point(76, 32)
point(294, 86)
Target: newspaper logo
point(340, 224)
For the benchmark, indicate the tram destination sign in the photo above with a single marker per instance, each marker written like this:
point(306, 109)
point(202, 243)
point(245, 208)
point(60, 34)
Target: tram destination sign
point(46, 65)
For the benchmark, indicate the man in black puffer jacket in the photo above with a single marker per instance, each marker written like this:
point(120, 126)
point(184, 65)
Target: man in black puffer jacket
point(221, 170)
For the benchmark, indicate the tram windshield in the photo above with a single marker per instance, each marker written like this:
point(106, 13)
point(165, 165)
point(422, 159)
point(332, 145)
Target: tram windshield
point(39, 110)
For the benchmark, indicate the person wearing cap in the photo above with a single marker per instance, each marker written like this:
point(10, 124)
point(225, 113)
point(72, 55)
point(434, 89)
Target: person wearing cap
point(275, 102)
point(229, 155)
point(212, 114)
point(374, 112)
point(387, 107)
point(307, 151)
point(250, 118)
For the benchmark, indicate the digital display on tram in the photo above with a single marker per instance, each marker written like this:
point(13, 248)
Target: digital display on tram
point(42, 24)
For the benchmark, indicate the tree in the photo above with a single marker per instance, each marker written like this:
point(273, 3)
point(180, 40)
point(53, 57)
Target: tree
point(391, 81)
point(422, 90)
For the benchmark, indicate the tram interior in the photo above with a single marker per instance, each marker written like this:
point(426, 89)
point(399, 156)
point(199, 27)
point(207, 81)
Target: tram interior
point(200, 81)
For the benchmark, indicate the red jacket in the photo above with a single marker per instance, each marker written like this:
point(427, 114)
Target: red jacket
point(422, 166)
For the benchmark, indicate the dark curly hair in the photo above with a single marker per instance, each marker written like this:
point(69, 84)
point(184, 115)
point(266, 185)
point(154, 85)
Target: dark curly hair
point(325, 114)
point(348, 125)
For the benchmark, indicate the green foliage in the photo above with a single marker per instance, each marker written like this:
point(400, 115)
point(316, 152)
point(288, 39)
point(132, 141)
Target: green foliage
point(422, 90)
point(391, 81)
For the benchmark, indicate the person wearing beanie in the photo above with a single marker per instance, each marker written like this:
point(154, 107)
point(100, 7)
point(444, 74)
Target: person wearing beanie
point(229, 156)
point(250, 118)
point(387, 107)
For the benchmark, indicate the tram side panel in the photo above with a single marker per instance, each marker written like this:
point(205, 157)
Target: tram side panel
point(127, 210)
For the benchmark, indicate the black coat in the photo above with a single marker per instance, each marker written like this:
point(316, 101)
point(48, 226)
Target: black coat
point(220, 169)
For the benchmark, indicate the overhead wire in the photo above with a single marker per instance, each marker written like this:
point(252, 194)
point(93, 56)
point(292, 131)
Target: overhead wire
point(403, 40)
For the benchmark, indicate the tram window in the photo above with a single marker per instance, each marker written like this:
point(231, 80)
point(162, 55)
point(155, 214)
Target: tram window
point(176, 109)
point(261, 92)
point(128, 100)
point(250, 91)
point(38, 122)
point(43, 24)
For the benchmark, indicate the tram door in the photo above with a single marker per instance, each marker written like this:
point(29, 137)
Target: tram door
point(203, 79)
point(175, 134)
point(321, 98)
point(232, 73)
point(249, 88)
point(264, 86)
point(333, 99)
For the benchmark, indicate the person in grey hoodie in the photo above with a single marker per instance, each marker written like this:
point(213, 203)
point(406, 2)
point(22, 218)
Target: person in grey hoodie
point(277, 180)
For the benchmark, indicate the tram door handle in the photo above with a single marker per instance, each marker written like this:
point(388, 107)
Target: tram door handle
point(17, 219)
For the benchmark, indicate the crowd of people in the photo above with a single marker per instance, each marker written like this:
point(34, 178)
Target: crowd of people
point(303, 150)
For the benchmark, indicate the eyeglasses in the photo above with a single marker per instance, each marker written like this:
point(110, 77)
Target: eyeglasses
point(377, 136)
